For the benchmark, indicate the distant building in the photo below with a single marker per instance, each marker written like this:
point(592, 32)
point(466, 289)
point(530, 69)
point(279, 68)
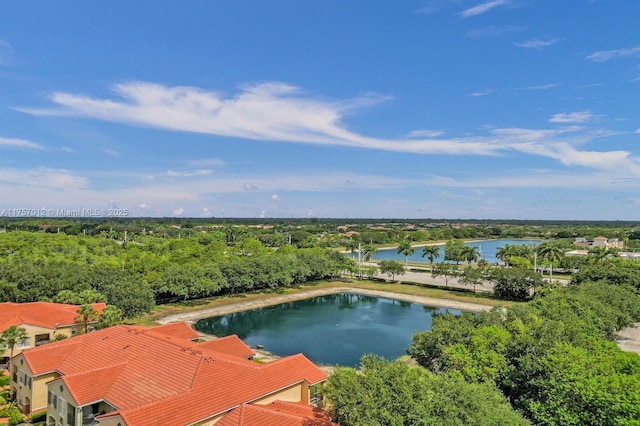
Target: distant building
point(42, 321)
point(599, 242)
point(131, 375)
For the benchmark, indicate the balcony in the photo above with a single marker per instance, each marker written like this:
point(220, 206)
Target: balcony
point(89, 420)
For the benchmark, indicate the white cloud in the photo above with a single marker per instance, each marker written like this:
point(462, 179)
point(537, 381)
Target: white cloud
point(4, 43)
point(41, 178)
point(249, 187)
point(571, 117)
point(425, 133)
point(482, 8)
point(637, 131)
point(485, 92)
point(275, 198)
point(111, 152)
point(144, 206)
point(179, 211)
point(189, 173)
point(206, 212)
point(606, 55)
point(19, 143)
point(263, 214)
point(280, 112)
point(66, 149)
point(542, 86)
point(268, 111)
point(536, 43)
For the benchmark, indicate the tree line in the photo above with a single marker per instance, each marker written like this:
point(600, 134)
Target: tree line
point(136, 275)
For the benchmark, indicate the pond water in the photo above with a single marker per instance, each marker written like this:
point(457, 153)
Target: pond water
point(332, 329)
point(486, 248)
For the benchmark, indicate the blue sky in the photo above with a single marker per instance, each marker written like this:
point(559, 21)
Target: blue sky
point(499, 109)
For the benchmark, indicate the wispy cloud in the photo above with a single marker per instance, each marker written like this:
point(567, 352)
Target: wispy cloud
point(606, 55)
point(541, 87)
point(111, 152)
point(572, 117)
point(482, 8)
point(39, 179)
point(189, 173)
point(487, 92)
point(19, 143)
point(280, 112)
point(425, 133)
point(5, 44)
point(536, 43)
point(484, 92)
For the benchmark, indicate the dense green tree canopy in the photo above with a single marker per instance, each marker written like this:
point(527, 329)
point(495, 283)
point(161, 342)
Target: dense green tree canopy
point(395, 394)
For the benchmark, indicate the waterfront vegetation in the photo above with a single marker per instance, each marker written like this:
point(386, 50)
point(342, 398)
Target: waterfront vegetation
point(545, 355)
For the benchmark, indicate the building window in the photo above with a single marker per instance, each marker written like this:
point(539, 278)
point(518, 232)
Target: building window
point(24, 343)
point(74, 330)
point(71, 414)
point(62, 404)
point(52, 399)
point(30, 382)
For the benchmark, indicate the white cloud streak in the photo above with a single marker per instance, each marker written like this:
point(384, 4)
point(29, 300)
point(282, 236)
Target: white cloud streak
point(605, 55)
point(536, 43)
point(189, 173)
point(280, 112)
point(482, 8)
point(19, 143)
point(425, 133)
point(572, 117)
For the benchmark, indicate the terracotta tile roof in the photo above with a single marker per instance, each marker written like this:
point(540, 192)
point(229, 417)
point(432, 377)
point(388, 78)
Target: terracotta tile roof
point(147, 374)
point(43, 314)
point(278, 413)
point(230, 345)
point(176, 329)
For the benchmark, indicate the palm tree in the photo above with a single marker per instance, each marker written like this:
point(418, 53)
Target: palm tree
point(550, 252)
point(11, 337)
point(86, 313)
point(432, 253)
point(368, 250)
point(406, 249)
point(470, 254)
point(503, 253)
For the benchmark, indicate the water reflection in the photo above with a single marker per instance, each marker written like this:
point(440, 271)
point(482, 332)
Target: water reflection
point(331, 329)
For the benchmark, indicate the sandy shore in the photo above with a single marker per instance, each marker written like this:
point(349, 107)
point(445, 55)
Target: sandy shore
point(629, 338)
point(193, 316)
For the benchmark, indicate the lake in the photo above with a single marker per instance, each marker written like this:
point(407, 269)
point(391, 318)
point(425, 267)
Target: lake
point(332, 329)
point(486, 248)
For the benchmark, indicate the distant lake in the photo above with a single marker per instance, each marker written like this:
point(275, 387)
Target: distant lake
point(486, 248)
point(332, 329)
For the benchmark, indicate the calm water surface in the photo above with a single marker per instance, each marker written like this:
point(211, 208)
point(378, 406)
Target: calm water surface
point(333, 329)
point(486, 248)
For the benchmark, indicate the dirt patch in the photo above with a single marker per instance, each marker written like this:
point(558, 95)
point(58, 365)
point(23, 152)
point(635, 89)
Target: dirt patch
point(629, 338)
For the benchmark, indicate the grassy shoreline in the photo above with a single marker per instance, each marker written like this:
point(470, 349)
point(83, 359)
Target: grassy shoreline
point(163, 311)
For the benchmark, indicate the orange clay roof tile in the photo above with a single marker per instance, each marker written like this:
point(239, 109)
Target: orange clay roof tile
point(146, 374)
point(230, 345)
point(277, 413)
point(42, 314)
